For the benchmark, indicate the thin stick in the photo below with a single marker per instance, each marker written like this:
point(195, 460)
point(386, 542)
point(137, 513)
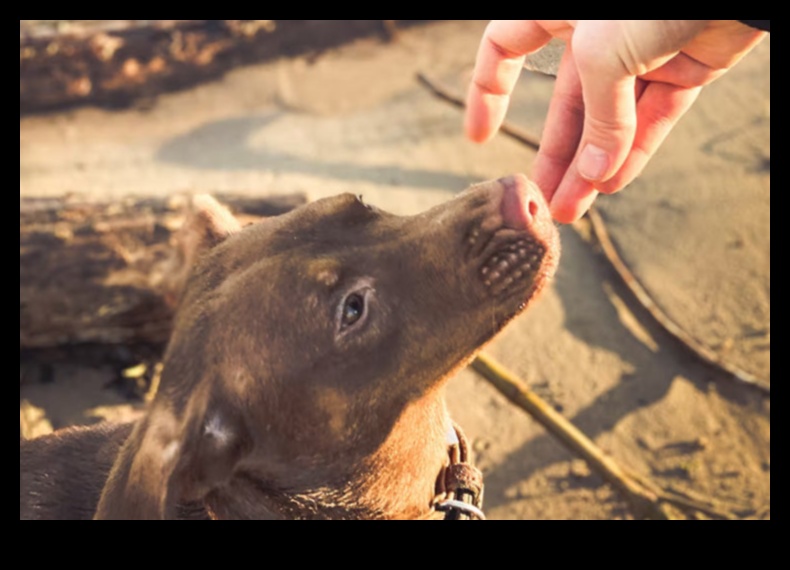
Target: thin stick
point(687, 499)
point(643, 501)
point(647, 498)
point(442, 92)
point(610, 253)
point(636, 288)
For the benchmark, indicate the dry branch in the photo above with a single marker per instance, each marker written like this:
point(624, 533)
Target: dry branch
point(647, 498)
point(676, 331)
point(446, 94)
point(703, 352)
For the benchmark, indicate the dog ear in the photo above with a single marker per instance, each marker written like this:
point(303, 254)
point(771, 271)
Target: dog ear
point(166, 460)
point(139, 483)
point(207, 224)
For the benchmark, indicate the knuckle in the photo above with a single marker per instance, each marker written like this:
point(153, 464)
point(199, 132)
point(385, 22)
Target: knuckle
point(612, 185)
point(502, 51)
point(488, 87)
point(608, 128)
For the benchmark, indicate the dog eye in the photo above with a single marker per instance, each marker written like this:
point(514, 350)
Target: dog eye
point(353, 309)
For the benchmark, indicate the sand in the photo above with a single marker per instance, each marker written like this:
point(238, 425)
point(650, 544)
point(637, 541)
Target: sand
point(694, 228)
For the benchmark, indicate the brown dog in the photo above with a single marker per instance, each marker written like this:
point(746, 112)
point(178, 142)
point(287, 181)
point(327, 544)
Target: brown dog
point(305, 374)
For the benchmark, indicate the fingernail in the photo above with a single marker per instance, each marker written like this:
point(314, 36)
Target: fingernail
point(593, 163)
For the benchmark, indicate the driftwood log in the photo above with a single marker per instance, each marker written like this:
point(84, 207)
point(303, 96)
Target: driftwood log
point(102, 273)
point(114, 62)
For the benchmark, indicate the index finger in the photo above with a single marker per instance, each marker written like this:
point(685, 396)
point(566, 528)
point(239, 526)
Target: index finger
point(500, 58)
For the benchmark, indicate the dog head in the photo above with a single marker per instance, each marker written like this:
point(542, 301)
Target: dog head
point(301, 340)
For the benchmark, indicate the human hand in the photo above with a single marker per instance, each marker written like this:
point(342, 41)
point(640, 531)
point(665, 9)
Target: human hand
point(622, 86)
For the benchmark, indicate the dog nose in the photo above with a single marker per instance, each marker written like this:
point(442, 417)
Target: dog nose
point(522, 202)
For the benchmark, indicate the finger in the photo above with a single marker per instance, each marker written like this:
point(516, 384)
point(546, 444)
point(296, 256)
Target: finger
point(639, 89)
point(572, 200)
point(500, 58)
point(577, 198)
point(658, 111)
point(684, 71)
point(609, 103)
point(563, 128)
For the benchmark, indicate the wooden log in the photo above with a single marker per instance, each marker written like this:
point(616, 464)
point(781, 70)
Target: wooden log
point(115, 62)
point(102, 272)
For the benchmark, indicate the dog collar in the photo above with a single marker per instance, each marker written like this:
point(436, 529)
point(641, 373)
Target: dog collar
point(459, 487)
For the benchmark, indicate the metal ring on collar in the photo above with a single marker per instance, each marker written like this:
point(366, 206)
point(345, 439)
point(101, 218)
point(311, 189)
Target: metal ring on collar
point(466, 508)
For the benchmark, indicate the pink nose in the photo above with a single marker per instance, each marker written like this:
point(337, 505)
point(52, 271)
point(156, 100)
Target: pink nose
point(522, 202)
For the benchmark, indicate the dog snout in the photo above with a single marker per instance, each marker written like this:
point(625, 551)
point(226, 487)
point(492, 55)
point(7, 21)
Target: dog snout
point(522, 203)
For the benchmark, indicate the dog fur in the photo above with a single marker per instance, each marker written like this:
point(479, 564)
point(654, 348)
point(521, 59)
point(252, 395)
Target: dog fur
point(306, 370)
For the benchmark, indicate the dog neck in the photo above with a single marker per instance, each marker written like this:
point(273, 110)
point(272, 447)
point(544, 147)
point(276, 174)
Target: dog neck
point(397, 481)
